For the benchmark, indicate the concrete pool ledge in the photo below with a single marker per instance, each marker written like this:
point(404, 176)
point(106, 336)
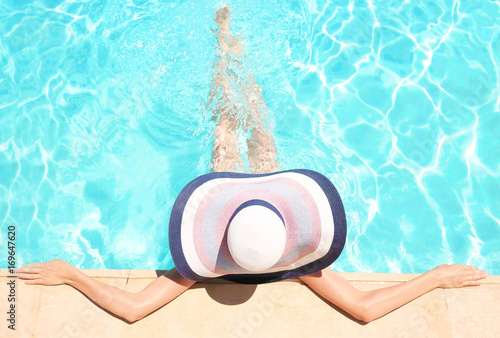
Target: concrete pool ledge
point(218, 308)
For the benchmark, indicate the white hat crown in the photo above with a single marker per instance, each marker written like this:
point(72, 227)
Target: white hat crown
point(256, 238)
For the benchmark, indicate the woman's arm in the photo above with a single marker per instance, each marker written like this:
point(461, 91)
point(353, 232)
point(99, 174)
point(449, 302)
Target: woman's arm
point(129, 306)
point(370, 305)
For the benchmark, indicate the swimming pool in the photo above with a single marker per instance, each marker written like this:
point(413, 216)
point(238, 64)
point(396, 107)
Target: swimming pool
point(102, 122)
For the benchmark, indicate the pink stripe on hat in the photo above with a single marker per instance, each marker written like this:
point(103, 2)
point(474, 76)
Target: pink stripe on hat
point(313, 215)
point(227, 212)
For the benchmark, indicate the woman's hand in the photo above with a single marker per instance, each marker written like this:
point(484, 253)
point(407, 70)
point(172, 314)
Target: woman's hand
point(55, 272)
point(458, 275)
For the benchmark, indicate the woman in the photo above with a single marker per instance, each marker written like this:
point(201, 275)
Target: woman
point(230, 261)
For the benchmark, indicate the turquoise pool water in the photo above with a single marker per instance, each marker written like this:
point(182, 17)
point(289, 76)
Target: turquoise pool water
point(102, 122)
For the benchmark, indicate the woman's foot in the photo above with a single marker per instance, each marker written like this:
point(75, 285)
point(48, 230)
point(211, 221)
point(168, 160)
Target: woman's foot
point(223, 19)
point(228, 43)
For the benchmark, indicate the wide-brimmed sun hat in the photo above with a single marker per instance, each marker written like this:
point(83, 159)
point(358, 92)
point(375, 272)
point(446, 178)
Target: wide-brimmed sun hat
point(251, 228)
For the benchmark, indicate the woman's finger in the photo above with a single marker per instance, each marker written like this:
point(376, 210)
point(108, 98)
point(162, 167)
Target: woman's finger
point(27, 266)
point(34, 282)
point(478, 276)
point(29, 270)
point(28, 276)
point(472, 280)
point(31, 265)
point(472, 283)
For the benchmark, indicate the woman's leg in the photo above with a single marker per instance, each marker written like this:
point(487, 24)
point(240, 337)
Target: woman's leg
point(226, 154)
point(236, 92)
point(262, 155)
